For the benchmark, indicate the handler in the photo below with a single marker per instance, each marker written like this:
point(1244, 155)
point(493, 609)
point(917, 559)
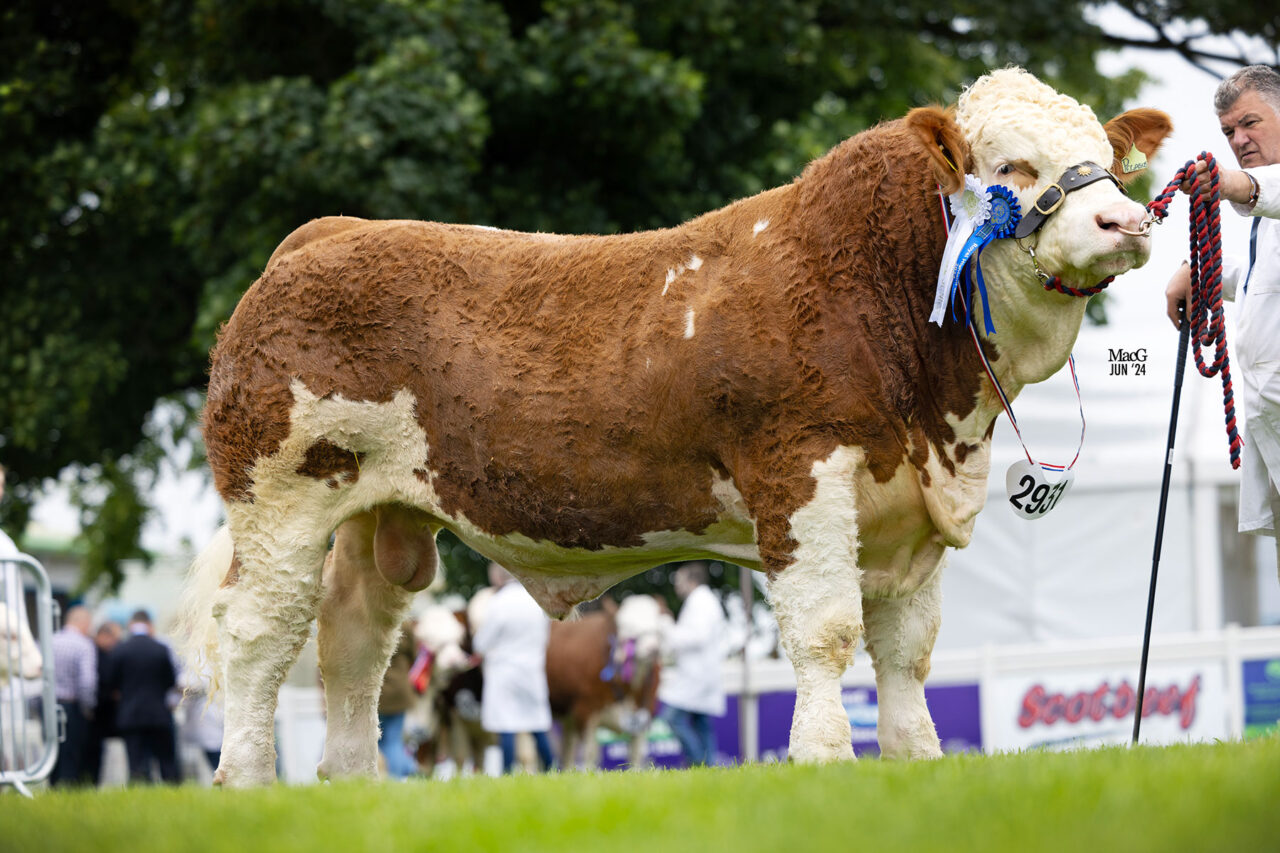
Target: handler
point(1248, 107)
point(512, 641)
point(692, 690)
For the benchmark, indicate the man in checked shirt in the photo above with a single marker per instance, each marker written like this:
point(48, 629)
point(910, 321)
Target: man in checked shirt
point(75, 675)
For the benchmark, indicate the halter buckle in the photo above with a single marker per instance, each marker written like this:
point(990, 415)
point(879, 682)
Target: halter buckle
point(1062, 194)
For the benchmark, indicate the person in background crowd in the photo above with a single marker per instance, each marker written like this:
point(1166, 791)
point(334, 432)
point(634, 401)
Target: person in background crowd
point(75, 674)
point(22, 666)
point(394, 701)
point(203, 716)
point(692, 689)
point(1248, 108)
point(141, 675)
point(11, 591)
point(103, 724)
point(512, 643)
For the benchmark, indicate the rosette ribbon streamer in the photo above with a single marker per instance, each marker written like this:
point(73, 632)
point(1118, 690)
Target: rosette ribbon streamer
point(981, 217)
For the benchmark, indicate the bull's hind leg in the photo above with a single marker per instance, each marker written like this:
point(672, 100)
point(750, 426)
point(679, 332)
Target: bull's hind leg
point(900, 637)
point(818, 603)
point(379, 559)
point(264, 612)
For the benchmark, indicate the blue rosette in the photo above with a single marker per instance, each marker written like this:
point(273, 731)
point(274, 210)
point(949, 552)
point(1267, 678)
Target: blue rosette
point(1005, 212)
point(1000, 222)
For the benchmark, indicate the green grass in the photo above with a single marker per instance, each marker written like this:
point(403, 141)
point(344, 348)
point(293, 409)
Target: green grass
point(1204, 797)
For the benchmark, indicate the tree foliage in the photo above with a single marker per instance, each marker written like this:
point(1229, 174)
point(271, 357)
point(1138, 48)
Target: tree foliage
point(156, 151)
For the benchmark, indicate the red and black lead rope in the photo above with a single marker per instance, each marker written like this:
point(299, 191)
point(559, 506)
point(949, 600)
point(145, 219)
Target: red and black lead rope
point(1205, 314)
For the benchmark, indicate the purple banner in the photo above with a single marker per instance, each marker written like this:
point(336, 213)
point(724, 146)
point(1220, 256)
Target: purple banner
point(955, 709)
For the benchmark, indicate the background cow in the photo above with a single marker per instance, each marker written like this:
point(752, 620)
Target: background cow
point(760, 385)
point(603, 669)
point(444, 722)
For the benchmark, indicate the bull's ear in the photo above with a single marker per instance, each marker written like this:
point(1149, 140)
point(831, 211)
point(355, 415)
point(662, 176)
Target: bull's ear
point(943, 143)
point(1135, 137)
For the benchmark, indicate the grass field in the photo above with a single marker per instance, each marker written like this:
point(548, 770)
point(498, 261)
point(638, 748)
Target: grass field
point(1207, 797)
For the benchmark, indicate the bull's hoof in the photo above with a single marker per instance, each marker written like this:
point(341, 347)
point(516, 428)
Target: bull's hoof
point(911, 742)
point(821, 754)
point(222, 778)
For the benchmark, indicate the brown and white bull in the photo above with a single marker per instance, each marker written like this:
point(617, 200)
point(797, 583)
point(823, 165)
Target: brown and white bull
point(759, 385)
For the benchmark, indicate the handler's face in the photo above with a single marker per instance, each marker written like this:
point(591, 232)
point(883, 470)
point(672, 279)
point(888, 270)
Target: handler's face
point(1252, 129)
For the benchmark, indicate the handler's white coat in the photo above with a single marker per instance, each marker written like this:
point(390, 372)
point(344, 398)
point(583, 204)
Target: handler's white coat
point(1256, 352)
point(694, 681)
point(513, 640)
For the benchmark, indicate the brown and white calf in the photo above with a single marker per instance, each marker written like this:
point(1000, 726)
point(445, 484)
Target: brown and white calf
point(759, 385)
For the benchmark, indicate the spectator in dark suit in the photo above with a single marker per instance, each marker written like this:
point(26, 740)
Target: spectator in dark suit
point(141, 675)
point(103, 724)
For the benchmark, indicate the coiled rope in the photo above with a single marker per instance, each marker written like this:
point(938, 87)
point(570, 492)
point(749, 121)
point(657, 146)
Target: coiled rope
point(1208, 327)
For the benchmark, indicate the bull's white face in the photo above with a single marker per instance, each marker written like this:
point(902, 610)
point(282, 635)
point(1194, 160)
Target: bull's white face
point(1024, 135)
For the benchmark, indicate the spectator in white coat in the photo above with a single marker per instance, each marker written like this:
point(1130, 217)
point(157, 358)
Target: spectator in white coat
point(512, 642)
point(692, 689)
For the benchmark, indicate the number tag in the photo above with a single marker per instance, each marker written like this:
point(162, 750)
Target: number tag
point(1031, 493)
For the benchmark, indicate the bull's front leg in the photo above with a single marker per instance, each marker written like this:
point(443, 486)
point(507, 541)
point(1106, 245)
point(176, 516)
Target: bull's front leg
point(900, 637)
point(817, 600)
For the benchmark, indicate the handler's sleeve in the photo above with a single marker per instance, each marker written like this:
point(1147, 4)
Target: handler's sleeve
point(1236, 267)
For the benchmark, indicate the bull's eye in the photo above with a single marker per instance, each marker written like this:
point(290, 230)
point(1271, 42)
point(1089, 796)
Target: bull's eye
point(1017, 173)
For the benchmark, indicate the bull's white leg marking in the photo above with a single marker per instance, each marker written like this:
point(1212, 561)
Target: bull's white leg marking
point(688, 324)
point(281, 539)
point(900, 637)
point(263, 621)
point(360, 618)
point(759, 226)
point(695, 263)
point(818, 603)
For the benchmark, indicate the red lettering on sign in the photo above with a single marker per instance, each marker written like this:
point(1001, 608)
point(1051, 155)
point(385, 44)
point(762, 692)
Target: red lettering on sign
point(1031, 707)
point(1041, 706)
point(1187, 708)
point(1126, 701)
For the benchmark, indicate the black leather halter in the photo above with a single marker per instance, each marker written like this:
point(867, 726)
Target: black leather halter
point(1074, 178)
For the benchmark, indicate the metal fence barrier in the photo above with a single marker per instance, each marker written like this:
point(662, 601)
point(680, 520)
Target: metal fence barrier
point(30, 725)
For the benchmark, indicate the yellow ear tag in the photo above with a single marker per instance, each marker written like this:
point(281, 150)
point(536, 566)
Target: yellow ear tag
point(1134, 161)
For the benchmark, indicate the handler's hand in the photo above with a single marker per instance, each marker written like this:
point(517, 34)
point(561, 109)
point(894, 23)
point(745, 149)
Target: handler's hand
point(1178, 291)
point(1233, 185)
point(1201, 171)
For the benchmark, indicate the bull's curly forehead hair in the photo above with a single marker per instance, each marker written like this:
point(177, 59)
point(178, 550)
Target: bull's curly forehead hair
point(1000, 100)
point(1262, 79)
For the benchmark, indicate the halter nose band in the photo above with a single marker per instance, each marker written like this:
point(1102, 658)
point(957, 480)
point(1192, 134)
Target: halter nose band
point(1074, 178)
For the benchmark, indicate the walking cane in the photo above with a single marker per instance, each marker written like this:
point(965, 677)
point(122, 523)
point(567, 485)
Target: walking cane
point(1184, 330)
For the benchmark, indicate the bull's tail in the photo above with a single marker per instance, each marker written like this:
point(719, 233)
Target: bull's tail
point(196, 631)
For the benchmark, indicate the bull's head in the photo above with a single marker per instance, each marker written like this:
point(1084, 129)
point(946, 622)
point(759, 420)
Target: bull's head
point(1010, 129)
